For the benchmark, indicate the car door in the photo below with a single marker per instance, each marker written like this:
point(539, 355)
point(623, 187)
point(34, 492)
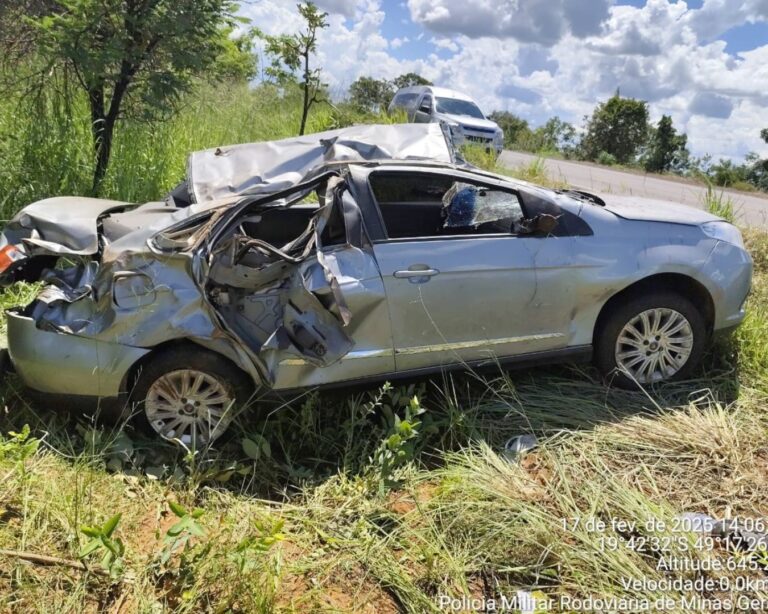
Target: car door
point(462, 297)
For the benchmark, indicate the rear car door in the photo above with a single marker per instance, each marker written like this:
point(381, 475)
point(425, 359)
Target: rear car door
point(455, 295)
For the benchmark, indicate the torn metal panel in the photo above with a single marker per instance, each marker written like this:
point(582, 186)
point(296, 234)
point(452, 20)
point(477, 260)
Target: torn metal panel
point(63, 363)
point(64, 225)
point(269, 167)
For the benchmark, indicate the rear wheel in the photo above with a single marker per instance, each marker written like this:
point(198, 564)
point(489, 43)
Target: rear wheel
point(190, 396)
point(650, 339)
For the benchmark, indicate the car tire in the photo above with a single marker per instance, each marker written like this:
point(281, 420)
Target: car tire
point(189, 395)
point(648, 353)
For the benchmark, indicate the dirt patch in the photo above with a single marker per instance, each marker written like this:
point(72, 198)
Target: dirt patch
point(403, 502)
point(146, 540)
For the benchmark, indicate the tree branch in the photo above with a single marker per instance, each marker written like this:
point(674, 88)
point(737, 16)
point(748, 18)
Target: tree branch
point(41, 559)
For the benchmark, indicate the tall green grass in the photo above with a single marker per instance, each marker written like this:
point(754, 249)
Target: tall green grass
point(45, 147)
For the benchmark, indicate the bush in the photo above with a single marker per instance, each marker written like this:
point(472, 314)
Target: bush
point(606, 158)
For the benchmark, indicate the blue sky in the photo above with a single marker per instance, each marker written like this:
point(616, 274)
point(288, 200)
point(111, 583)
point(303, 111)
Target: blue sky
point(704, 62)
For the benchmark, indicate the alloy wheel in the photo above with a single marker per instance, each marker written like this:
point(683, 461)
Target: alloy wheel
point(654, 345)
point(190, 406)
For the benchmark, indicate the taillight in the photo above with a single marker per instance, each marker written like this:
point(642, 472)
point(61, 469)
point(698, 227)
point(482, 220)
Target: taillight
point(8, 255)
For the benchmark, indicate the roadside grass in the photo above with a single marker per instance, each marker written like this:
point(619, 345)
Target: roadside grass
point(534, 172)
point(385, 499)
point(719, 204)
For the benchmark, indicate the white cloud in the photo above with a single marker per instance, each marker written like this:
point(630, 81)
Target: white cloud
point(717, 16)
point(396, 43)
point(530, 21)
point(444, 43)
point(342, 7)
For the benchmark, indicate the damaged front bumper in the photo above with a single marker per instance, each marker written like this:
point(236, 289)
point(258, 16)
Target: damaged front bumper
point(68, 364)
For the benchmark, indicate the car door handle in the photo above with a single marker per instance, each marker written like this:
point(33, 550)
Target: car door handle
point(410, 274)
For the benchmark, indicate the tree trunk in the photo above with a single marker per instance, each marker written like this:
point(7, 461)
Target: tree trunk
point(305, 106)
point(103, 122)
point(102, 136)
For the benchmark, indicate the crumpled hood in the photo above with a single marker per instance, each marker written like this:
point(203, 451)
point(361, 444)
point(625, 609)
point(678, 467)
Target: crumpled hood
point(276, 165)
point(650, 210)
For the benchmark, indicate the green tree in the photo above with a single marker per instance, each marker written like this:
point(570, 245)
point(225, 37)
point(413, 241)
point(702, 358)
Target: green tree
point(727, 173)
point(515, 128)
point(668, 150)
point(128, 56)
point(291, 54)
point(555, 135)
point(618, 127)
point(757, 171)
point(764, 134)
point(369, 94)
point(236, 60)
point(409, 79)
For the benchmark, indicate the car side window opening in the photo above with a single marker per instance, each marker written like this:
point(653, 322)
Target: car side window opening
point(424, 205)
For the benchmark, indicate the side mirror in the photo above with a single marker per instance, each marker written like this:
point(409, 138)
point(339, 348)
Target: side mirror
point(425, 107)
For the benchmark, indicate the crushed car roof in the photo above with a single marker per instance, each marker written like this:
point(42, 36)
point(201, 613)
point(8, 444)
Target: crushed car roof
point(276, 165)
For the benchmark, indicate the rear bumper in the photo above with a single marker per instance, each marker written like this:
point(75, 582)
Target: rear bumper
point(65, 364)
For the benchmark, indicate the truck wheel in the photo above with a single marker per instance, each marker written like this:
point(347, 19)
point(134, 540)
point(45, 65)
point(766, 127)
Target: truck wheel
point(190, 395)
point(649, 339)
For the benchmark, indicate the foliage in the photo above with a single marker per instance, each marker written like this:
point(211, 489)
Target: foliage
point(18, 447)
point(764, 134)
point(757, 171)
point(291, 55)
point(667, 149)
point(555, 135)
point(619, 127)
point(409, 79)
point(236, 60)
point(606, 159)
point(727, 173)
point(371, 95)
point(179, 536)
point(398, 447)
point(101, 539)
point(719, 204)
point(512, 125)
point(134, 57)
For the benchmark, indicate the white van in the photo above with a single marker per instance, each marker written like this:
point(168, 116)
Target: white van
point(462, 116)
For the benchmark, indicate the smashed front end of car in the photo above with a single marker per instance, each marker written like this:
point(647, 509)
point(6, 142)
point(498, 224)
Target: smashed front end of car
point(214, 265)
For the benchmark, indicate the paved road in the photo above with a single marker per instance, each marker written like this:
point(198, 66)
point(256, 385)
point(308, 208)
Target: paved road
point(750, 210)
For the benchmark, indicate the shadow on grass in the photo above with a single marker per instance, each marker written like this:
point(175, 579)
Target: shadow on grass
point(286, 446)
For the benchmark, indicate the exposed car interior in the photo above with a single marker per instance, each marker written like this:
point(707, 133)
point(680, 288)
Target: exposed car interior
point(433, 205)
point(253, 280)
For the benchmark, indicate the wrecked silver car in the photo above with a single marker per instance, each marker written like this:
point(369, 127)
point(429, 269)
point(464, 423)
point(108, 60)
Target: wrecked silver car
point(368, 253)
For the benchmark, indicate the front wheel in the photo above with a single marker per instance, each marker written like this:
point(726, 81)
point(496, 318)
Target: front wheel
point(650, 339)
point(190, 396)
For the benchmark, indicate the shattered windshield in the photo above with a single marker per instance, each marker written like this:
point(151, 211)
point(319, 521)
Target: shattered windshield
point(466, 205)
point(454, 106)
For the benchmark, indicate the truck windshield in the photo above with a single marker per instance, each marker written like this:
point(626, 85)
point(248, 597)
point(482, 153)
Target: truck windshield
point(454, 106)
